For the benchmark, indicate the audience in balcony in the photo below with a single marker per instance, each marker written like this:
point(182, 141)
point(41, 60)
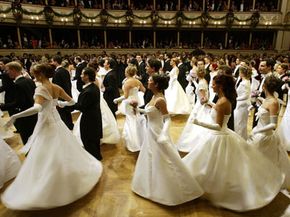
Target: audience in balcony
point(163, 5)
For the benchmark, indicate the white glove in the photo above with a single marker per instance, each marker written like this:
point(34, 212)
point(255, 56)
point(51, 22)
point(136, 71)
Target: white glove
point(164, 134)
point(119, 99)
point(207, 125)
point(28, 112)
point(269, 127)
point(63, 104)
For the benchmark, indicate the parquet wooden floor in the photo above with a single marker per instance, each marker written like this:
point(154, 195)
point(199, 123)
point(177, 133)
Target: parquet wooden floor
point(112, 196)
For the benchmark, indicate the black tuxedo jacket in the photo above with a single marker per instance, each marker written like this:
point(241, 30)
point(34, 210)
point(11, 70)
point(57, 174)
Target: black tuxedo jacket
point(77, 77)
point(167, 67)
point(142, 72)
point(91, 120)
point(182, 75)
point(111, 90)
point(9, 87)
point(62, 79)
point(23, 99)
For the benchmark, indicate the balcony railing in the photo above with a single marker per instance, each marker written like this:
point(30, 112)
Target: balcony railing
point(58, 16)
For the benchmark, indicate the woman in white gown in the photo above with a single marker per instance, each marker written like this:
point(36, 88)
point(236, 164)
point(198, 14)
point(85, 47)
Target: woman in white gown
point(177, 101)
point(232, 174)
point(159, 174)
point(9, 163)
point(264, 138)
point(191, 133)
point(132, 137)
point(283, 129)
point(57, 170)
point(241, 113)
point(111, 134)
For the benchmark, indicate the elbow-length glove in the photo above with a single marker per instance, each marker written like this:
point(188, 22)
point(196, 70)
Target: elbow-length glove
point(63, 104)
point(119, 99)
point(28, 112)
point(268, 127)
point(164, 134)
point(207, 125)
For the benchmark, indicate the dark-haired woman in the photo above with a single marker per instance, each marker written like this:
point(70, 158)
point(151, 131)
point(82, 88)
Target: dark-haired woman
point(264, 137)
point(232, 174)
point(159, 174)
point(57, 170)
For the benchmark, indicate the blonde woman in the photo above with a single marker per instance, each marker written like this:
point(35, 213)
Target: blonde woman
point(131, 87)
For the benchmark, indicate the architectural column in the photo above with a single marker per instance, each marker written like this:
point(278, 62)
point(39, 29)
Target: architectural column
point(19, 37)
point(103, 4)
point(178, 6)
point(254, 3)
point(250, 39)
point(130, 38)
point(50, 37)
point(105, 38)
point(79, 38)
point(76, 2)
point(226, 40)
point(178, 38)
point(154, 39)
point(282, 41)
point(201, 40)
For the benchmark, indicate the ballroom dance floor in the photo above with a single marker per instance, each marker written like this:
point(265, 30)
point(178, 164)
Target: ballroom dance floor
point(112, 196)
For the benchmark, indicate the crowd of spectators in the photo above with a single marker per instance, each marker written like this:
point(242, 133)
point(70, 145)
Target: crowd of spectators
point(32, 42)
point(164, 5)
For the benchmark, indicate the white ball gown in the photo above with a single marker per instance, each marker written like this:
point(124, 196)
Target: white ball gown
point(57, 170)
point(132, 134)
point(270, 145)
point(191, 132)
point(160, 174)
point(9, 163)
point(4, 132)
point(241, 113)
point(111, 134)
point(283, 129)
point(176, 99)
point(233, 174)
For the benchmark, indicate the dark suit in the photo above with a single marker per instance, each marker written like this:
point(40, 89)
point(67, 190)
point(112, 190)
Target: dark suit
point(167, 67)
point(62, 79)
point(207, 74)
point(23, 99)
point(79, 69)
point(111, 90)
point(182, 75)
point(7, 86)
point(91, 121)
point(142, 72)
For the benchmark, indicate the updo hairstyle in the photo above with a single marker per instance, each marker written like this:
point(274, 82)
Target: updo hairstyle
point(131, 70)
point(272, 84)
point(44, 68)
point(161, 80)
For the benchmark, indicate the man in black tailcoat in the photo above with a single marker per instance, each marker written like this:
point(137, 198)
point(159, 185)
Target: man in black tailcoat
point(62, 78)
point(23, 99)
point(110, 84)
point(91, 120)
point(80, 65)
point(183, 70)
